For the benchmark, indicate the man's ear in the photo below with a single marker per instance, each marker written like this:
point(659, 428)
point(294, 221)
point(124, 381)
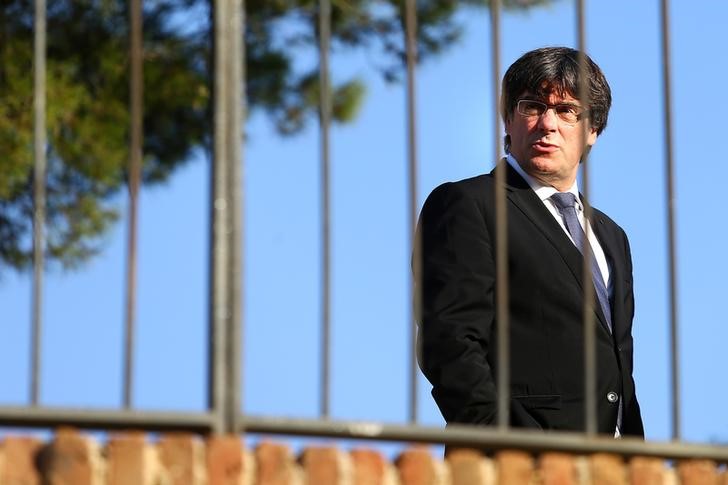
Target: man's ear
point(591, 137)
point(507, 125)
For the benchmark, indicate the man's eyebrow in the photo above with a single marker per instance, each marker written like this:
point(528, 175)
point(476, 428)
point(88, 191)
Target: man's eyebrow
point(542, 100)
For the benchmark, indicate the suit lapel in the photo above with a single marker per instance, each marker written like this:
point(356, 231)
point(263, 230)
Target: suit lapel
point(611, 246)
point(526, 200)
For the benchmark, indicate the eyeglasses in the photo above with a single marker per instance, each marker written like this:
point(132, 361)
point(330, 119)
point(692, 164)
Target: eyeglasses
point(568, 113)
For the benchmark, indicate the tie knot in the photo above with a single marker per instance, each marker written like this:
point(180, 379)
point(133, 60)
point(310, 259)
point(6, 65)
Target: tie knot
point(564, 200)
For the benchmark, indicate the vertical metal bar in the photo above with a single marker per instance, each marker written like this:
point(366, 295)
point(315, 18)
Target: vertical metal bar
point(413, 177)
point(324, 31)
point(136, 87)
point(501, 218)
point(219, 241)
point(234, 181)
point(671, 226)
point(590, 361)
point(39, 194)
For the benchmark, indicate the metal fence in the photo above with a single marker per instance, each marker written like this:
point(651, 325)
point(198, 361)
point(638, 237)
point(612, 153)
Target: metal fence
point(225, 265)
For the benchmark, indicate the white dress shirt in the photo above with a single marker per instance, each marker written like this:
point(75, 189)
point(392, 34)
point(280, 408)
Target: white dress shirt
point(544, 193)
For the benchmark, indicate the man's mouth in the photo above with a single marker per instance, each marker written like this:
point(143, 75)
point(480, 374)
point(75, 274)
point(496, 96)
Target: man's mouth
point(542, 146)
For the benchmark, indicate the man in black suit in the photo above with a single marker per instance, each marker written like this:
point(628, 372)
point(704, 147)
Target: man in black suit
point(544, 142)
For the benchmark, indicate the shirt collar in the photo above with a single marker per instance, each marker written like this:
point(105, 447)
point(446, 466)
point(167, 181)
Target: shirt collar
point(543, 192)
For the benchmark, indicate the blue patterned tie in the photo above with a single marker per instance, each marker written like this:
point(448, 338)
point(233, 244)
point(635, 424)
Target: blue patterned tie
point(565, 202)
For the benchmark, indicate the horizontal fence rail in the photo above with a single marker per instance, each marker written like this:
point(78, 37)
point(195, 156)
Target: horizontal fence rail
point(107, 419)
point(485, 438)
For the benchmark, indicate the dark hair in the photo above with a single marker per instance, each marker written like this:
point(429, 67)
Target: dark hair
point(555, 70)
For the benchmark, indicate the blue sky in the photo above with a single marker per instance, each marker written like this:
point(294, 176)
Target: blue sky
point(83, 312)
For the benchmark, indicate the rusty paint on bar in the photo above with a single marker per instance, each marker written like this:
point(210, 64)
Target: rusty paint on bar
point(671, 226)
point(413, 177)
point(39, 192)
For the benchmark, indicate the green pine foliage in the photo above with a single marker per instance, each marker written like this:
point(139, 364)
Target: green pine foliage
point(88, 91)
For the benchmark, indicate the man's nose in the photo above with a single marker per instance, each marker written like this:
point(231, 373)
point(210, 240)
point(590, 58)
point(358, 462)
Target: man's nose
point(548, 120)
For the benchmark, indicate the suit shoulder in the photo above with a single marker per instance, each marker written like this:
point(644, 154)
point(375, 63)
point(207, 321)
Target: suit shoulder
point(475, 184)
point(469, 187)
point(456, 196)
point(602, 218)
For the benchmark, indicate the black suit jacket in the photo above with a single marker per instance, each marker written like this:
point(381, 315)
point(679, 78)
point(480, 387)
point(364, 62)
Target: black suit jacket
point(458, 331)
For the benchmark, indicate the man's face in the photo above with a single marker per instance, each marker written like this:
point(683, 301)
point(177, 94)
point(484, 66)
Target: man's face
point(546, 147)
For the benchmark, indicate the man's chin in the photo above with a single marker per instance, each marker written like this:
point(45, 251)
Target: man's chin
point(543, 164)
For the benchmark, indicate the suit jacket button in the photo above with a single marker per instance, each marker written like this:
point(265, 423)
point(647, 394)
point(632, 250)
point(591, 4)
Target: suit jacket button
point(612, 397)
